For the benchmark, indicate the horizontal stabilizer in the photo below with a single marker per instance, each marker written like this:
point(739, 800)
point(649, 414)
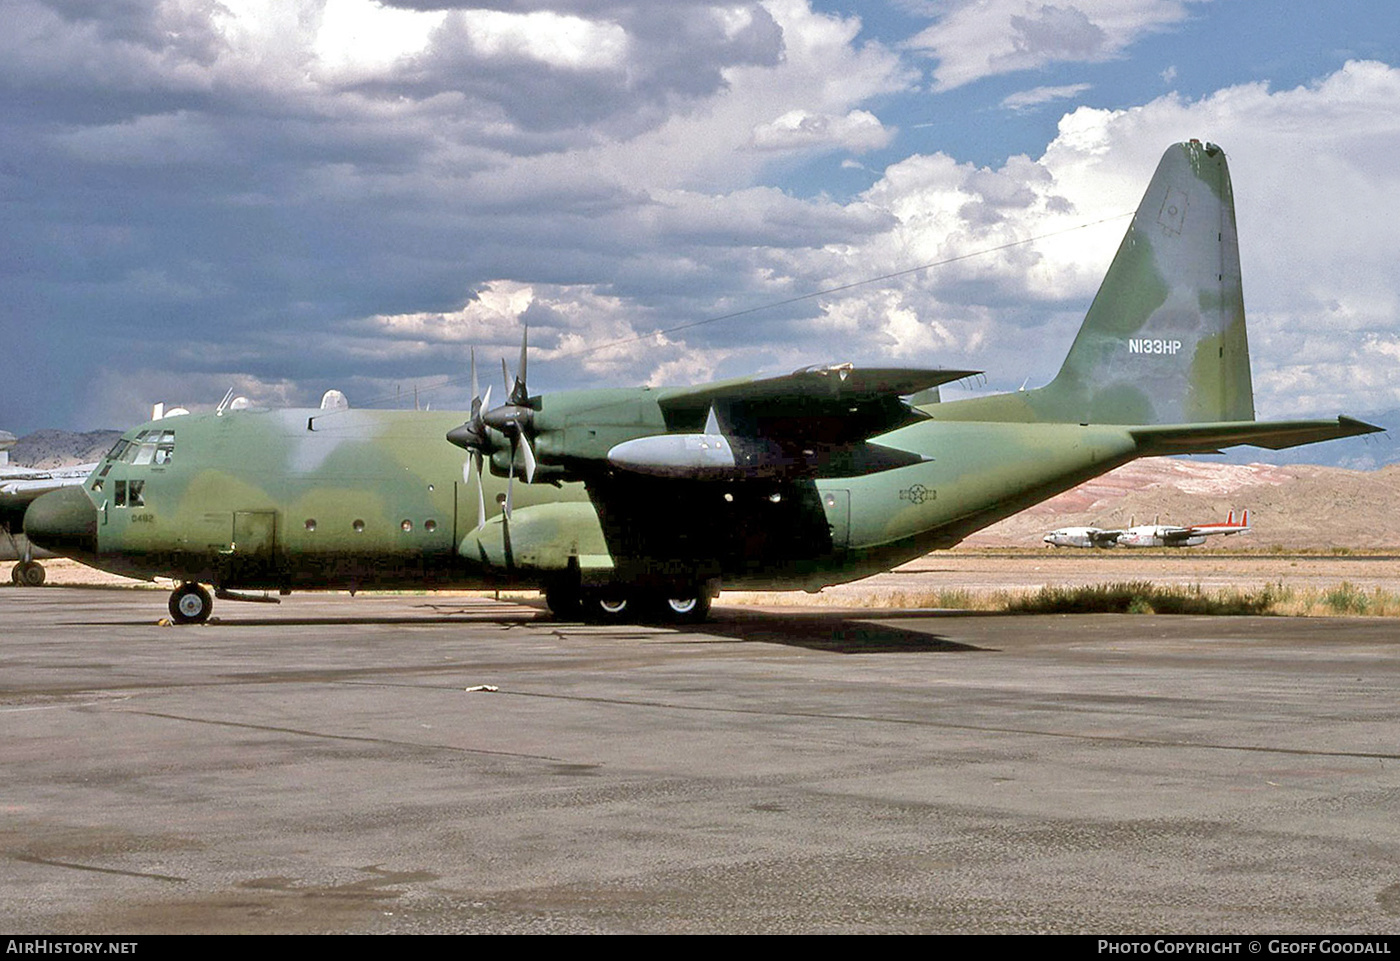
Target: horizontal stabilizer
point(1274, 435)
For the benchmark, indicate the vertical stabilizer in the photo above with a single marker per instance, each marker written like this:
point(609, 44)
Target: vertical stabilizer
point(1164, 340)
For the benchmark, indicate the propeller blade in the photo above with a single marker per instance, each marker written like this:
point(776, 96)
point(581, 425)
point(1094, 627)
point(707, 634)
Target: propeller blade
point(521, 394)
point(510, 484)
point(529, 459)
point(480, 492)
point(476, 391)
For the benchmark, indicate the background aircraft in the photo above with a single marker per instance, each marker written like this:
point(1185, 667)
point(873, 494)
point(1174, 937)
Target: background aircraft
point(1083, 537)
point(641, 502)
point(1146, 535)
point(19, 487)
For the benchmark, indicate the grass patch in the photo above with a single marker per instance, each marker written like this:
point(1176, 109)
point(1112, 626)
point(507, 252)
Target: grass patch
point(1143, 597)
point(1128, 597)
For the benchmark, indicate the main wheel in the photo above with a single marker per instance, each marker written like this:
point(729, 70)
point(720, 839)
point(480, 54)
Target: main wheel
point(564, 602)
point(607, 607)
point(27, 574)
point(190, 604)
point(686, 608)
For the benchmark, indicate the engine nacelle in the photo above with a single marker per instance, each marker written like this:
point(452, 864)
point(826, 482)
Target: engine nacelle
point(694, 456)
point(545, 538)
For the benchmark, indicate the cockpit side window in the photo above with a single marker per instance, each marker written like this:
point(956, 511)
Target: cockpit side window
point(165, 448)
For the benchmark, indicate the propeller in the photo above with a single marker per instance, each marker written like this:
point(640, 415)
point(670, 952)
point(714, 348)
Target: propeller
point(476, 440)
point(514, 419)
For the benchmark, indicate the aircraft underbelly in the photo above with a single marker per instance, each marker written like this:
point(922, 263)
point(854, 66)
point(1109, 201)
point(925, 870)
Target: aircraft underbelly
point(644, 531)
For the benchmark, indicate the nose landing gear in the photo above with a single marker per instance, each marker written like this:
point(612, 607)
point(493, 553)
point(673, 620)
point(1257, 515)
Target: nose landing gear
point(190, 604)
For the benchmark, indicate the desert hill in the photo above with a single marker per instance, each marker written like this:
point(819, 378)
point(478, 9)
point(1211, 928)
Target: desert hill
point(45, 449)
point(1297, 506)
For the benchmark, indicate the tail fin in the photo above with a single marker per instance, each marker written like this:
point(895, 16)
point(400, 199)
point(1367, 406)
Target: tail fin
point(1163, 348)
point(1164, 340)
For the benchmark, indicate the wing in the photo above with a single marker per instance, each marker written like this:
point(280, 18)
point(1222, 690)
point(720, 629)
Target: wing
point(1175, 535)
point(836, 404)
point(814, 422)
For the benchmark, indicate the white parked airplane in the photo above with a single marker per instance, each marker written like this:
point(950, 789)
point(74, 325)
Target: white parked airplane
point(1146, 535)
point(19, 486)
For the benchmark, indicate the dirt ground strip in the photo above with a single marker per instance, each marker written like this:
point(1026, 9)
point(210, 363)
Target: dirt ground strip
point(1011, 570)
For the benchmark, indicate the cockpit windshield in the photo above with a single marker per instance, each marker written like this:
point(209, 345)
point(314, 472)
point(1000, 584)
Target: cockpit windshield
point(147, 447)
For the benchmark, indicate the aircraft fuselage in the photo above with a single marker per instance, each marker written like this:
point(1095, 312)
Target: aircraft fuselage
point(306, 499)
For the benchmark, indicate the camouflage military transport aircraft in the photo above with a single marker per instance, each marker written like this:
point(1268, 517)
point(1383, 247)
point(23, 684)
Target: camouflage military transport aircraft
point(640, 503)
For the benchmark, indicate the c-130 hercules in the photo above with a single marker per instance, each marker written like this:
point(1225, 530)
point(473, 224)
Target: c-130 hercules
point(639, 503)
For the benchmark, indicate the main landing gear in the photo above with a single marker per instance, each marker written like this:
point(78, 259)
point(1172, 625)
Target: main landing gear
point(27, 574)
point(617, 605)
point(190, 604)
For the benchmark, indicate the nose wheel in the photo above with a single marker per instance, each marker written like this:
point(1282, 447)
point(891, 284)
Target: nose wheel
point(190, 604)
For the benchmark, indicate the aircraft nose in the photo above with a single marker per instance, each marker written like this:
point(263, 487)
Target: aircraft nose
point(63, 521)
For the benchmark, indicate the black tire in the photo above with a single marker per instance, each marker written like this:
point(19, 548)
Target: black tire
point(29, 574)
point(190, 604)
point(564, 602)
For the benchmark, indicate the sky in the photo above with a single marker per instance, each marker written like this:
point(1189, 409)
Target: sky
point(287, 196)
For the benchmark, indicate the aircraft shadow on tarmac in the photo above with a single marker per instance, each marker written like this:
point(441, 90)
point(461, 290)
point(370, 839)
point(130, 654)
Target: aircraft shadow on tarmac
point(835, 631)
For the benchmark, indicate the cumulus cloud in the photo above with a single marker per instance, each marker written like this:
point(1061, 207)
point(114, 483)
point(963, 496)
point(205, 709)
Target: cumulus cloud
point(972, 39)
point(1039, 96)
point(858, 131)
